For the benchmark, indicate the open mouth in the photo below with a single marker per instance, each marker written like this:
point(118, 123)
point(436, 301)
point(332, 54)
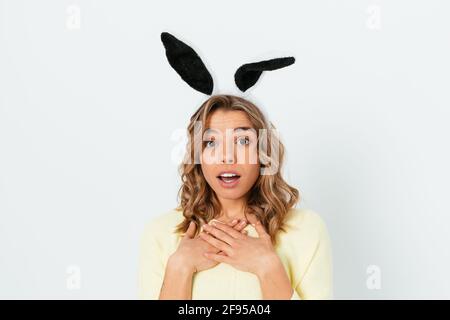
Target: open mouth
point(228, 178)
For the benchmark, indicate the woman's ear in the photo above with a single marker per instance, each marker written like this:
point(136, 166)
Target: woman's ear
point(248, 74)
point(187, 64)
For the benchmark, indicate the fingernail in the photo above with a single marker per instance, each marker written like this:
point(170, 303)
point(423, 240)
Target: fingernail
point(234, 221)
point(213, 223)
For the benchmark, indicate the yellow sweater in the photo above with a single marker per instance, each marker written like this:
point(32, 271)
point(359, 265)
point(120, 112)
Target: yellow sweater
point(304, 251)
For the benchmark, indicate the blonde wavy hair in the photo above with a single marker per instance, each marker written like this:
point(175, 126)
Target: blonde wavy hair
point(269, 199)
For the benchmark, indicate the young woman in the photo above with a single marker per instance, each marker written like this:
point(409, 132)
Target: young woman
point(236, 233)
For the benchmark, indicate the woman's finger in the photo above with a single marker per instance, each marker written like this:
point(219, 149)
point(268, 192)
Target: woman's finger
point(241, 225)
point(191, 230)
point(219, 234)
point(218, 257)
point(258, 225)
point(233, 223)
point(227, 229)
point(237, 224)
point(215, 242)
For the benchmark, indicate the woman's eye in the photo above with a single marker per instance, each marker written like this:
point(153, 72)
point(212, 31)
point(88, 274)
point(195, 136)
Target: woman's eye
point(210, 143)
point(243, 141)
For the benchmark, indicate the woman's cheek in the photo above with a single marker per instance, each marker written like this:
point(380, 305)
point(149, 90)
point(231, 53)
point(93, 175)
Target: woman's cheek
point(252, 173)
point(208, 173)
point(252, 154)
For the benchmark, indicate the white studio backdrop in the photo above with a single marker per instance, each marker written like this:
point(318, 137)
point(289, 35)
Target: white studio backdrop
point(91, 115)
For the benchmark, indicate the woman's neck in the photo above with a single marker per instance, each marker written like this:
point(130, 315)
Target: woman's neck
point(232, 209)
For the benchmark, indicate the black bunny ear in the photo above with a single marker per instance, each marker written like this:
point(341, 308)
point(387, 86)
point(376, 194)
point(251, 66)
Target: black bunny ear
point(187, 64)
point(248, 74)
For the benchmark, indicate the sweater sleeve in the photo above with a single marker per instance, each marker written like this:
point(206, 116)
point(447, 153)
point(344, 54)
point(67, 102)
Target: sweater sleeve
point(151, 266)
point(316, 281)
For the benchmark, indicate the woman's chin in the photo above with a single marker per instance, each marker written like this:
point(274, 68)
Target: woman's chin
point(229, 194)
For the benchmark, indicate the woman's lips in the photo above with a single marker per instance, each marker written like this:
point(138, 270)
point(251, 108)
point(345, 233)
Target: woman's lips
point(229, 182)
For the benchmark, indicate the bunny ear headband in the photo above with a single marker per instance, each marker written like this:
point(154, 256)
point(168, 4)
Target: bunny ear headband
point(193, 71)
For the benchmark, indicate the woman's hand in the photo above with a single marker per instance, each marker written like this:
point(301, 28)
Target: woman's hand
point(190, 252)
point(255, 255)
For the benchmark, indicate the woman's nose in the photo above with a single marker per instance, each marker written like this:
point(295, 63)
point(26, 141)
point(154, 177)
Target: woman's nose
point(228, 153)
point(228, 158)
point(229, 161)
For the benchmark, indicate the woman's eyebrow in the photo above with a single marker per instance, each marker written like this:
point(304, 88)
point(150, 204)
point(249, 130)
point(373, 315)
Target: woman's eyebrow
point(208, 130)
point(242, 128)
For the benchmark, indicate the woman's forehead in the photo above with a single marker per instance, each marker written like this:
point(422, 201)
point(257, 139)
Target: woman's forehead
point(221, 120)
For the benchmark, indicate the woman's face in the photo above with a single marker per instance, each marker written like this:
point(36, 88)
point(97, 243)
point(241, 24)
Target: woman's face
point(229, 160)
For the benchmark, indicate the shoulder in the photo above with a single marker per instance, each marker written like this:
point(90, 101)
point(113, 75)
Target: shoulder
point(305, 225)
point(303, 218)
point(164, 224)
